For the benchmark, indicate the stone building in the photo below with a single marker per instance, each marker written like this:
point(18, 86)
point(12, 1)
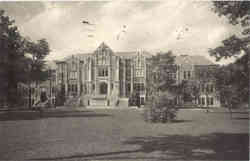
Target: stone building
point(199, 71)
point(105, 77)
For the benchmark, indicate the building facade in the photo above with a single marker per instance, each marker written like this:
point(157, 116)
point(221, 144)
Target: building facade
point(112, 77)
point(199, 72)
point(103, 74)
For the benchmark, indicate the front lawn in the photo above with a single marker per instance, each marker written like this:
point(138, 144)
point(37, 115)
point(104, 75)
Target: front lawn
point(122, 135)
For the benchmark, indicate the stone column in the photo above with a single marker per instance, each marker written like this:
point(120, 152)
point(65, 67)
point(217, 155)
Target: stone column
point(117, 86)
point(145, 76)
point(109, 73)
point(89, 76)
point(124, 78)
point(132, 78)
point(66, 79)
point(78, 78)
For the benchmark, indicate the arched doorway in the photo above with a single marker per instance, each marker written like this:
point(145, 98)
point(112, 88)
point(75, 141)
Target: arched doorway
point(103, 88)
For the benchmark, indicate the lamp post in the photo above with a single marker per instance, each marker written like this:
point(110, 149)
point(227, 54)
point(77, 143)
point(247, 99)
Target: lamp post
point(50, 90)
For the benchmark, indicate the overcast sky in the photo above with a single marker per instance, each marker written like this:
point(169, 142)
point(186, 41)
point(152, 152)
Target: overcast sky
point(185, 27)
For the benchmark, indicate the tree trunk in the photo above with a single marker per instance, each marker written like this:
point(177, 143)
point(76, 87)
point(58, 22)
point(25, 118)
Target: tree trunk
point(29, 96)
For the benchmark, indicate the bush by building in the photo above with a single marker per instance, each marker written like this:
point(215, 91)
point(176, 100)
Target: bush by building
point(160, 108)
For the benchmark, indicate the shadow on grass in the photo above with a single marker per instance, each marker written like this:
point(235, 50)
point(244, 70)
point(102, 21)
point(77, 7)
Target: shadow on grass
point(228, 112)
point(34, 115)
point(241, 118)
point(215, 146)
point(181, 121)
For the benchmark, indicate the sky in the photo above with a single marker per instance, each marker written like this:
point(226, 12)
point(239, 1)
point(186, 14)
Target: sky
point(184, 27)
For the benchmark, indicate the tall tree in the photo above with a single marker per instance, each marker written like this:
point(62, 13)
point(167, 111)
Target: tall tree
point(37, 72)
point(161, 88)
point(15, 65)
point(12, 58)
point(238, 13)
point(160, 69)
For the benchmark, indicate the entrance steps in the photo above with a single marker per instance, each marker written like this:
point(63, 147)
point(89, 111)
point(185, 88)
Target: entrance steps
point(99, 100)
point(123, 102)
point(100, 107)
point(94, 102)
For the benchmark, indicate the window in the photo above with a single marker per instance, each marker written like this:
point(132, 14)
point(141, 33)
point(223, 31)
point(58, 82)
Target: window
point(212, 101)
point(128, 88)
point(203, 100)
point(208, 101)
point(139, 73)
point(103, 58)
point(202, 88)
point(106, 72)
point(75, 87)
point(212, 88)
point(103, 72)
point(185, 76)
point(142, 100)
point(199, 101)
point(73, 75)
point(69, 87)
point(139, 86)
point(81, 88)
point(189, 74)
point(72, 88)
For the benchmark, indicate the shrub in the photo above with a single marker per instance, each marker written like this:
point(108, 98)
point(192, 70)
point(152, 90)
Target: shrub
point(160, 108)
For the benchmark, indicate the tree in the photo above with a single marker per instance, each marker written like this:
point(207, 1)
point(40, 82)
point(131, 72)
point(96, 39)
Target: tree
point(228, 92)
point(12, 56)
point(15, 66)
point(160, 88)
point(37, 72)
point(237, 13)
point(161, 67)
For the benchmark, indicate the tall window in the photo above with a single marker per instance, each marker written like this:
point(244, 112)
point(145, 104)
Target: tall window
point(72, 88)
point(212, 101)
point(208, 100)
point(211, 88)
point(139, 86)
point(203, 88)
point(73, 75)
point(203, 100)
point(189, 74)
point(103, 72)
point(103, 58)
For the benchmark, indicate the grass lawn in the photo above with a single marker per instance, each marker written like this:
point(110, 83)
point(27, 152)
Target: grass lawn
point(122, 135)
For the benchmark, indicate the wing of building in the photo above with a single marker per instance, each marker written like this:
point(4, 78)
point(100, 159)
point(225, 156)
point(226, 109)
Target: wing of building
point(109, 78)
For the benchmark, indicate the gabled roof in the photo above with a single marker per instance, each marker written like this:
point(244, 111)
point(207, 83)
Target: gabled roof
point(192, 60)
point(132, 54)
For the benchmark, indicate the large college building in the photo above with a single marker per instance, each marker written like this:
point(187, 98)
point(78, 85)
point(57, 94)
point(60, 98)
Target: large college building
point(109, 78)
point(103, 74)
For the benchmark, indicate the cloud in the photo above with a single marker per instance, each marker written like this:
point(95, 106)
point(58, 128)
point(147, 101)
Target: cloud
point(152, 26)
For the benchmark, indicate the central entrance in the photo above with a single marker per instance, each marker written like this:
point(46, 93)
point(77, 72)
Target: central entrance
point(103, 88)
